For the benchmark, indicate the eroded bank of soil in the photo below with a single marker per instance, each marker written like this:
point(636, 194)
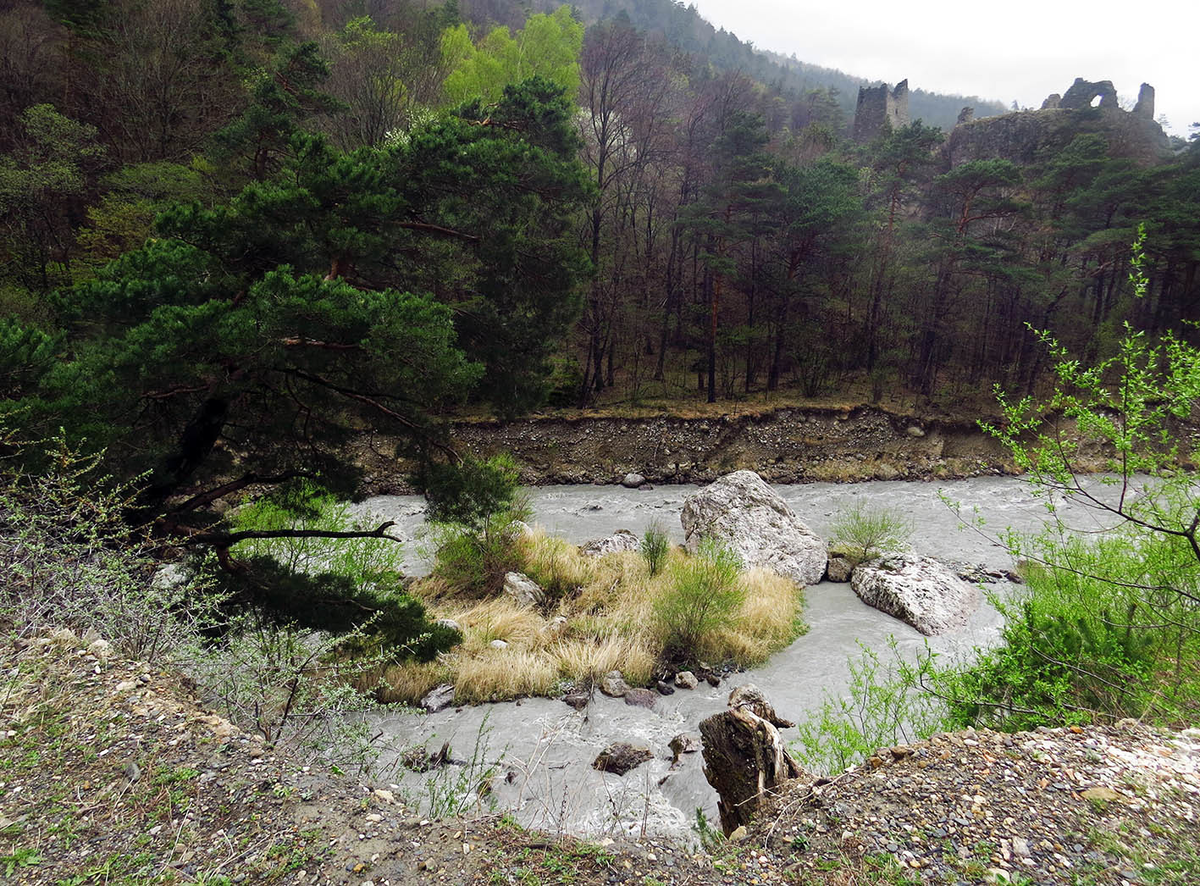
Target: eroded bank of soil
point(784, 446)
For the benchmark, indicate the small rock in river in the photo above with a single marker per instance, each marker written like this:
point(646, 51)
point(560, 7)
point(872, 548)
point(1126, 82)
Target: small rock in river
point(686, 680)
point(620, 757)
point(613, 684)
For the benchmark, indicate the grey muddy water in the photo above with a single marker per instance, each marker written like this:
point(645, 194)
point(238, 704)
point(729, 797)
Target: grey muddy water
point(545, 749)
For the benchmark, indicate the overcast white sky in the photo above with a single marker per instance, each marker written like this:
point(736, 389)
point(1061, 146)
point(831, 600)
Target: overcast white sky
point(1019, 49)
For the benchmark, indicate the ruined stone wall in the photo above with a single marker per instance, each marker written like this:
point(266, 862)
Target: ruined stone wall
point(1021, 135)
point(877, 106)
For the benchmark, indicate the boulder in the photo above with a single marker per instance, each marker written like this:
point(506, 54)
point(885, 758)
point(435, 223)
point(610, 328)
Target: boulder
point(917, 590)
point(523, 589)
point(633, 481)
point(170, 577)
point(641, 698)
point(449, 624)
point(614, 685)
point(499, 644)
point(682, 744)
point(438, 698)
point(664, 688)
point(839, 567)
point(686, 680)
point(620, 541)
point(518, 529)
point(743, 513)
point(619, 757)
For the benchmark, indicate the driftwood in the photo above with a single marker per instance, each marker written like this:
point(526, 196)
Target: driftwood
point(744, 755)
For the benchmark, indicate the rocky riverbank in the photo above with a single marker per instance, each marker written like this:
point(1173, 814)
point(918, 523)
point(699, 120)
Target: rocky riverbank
point(786, 445)
point(115, 773)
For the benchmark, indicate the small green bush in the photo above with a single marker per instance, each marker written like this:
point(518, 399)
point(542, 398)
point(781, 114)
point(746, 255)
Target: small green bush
point(703, 596)
point(1079, 648)
point(887, 704)
point(474, 506)
point(863, 532)
point(655, 548)
point(476, 561)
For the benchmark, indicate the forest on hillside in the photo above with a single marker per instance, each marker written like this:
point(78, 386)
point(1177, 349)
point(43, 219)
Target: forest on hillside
point(253, 226)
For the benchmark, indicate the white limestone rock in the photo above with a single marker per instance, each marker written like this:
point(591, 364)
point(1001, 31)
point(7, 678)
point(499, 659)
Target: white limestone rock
point(743, 513)
point(917, 590)
point(523, 589)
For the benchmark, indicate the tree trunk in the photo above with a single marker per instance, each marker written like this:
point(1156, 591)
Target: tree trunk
point(744, 755)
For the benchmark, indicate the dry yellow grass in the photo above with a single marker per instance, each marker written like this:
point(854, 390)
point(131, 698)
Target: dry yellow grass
point(500, 618)
point(500, 674)
point(608, 603)
point(410, 681)
point(588, 659)
point(769, 619)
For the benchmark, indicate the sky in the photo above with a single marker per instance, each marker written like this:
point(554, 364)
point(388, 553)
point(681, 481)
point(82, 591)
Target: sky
point(1018, 49)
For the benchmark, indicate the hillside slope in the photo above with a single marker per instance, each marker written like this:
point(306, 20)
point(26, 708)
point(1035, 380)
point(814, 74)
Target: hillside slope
point(114, 773)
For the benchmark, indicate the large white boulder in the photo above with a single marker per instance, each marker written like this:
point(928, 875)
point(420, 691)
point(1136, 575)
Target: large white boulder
point(917, 590)
point(744, 514)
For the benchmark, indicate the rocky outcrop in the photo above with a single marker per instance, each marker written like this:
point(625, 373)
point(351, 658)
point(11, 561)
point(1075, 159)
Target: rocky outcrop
point(620, 757)
point(1023, 135)
point(619, 542)
point(745, 757)
point(523, 589)
point(743, 513)
point(1145, 102)
point(919, 591)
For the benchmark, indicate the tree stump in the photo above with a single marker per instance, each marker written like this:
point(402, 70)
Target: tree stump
point(744, 755)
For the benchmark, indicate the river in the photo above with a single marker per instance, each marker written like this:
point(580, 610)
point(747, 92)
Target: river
point(544, 749)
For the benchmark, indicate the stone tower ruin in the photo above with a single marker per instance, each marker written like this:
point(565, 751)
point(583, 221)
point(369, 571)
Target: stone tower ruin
point(877, 105)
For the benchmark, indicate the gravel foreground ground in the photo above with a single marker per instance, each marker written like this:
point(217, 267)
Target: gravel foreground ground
point(111, 773)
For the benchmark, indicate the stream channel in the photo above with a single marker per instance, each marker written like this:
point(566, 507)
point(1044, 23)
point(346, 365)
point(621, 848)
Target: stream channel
point(544, 749)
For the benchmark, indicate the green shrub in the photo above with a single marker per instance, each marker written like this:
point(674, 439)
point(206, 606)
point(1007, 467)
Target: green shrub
point(473, 492)
point(70, 560)
point(703, 596)
point(474, 507)
point(1078, 648)
point(863, 532)
point(655, 547)
point(305, 504)
point(887, 705)
point(476, 561)
point(328, 584)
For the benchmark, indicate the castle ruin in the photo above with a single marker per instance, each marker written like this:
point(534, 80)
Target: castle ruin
point(878, 105)
point(1021, 136)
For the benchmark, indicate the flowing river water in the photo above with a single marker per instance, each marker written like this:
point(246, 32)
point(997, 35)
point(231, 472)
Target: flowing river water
point(544, 749)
